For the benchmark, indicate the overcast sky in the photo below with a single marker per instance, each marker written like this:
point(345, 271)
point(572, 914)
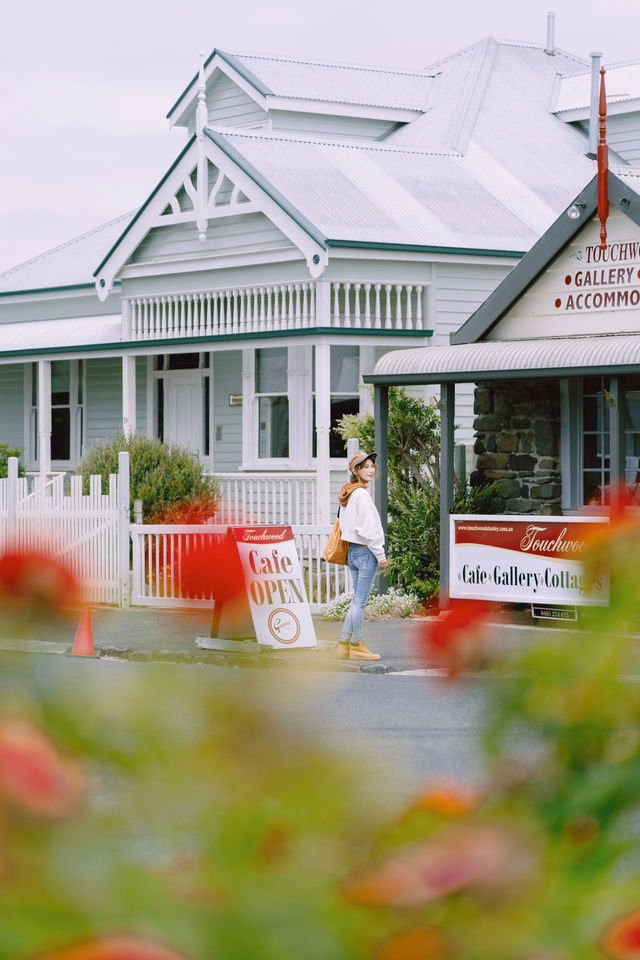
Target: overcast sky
point(85, 85)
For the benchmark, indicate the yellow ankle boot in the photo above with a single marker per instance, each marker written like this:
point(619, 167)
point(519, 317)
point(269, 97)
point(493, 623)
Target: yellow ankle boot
point(358, 651)
point(342, 650)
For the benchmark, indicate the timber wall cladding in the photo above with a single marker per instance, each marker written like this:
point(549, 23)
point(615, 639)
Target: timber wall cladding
point(517, 430)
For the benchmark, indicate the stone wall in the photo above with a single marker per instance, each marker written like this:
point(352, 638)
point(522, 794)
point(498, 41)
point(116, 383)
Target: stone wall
point(518, 445)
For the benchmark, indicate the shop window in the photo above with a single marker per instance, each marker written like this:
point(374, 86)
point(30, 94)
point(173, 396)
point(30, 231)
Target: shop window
point(271, 389)
point(632, 434)
point(595, 439)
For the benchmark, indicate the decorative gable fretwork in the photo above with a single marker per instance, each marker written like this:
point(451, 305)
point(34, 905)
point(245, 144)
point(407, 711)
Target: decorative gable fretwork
point(223, 199)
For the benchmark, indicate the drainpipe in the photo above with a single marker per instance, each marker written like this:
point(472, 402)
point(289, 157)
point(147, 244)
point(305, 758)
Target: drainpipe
point(593, 105)
point(550, 48)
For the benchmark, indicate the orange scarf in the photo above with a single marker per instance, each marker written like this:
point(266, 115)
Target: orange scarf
point(347, 490)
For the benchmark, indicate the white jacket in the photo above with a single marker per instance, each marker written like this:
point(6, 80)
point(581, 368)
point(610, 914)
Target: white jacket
point(360, 523)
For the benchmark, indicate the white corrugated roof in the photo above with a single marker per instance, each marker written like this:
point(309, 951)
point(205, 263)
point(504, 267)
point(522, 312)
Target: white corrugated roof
point(480, 361)
point(622, 83)
point(487, 167)
point(70, 264)
point(47, 335)
point(394, 194)
point(339, 82)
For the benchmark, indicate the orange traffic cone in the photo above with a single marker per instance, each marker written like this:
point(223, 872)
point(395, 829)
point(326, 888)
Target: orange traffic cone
point(83, 643)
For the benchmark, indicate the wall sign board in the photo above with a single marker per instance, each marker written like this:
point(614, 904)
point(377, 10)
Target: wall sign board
point(524, 559)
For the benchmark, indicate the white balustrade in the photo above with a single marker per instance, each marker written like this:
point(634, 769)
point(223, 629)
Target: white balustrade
point(283, 498)
point(381, 306)
point(276, 307)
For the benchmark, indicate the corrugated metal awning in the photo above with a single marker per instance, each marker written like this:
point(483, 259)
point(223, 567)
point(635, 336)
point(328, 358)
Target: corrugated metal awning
point(510, 360)
point(57, 336)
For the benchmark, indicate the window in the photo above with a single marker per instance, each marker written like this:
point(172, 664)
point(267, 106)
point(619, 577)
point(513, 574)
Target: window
point(273, 402)
point(344, 397)
point(632, 432)
point(595, 439)
point(67, 412)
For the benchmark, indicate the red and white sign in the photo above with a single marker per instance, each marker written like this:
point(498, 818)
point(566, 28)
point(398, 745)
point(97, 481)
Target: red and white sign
point(275, 587)
point(524, 559)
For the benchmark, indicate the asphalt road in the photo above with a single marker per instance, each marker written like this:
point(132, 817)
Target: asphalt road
point(418, 726)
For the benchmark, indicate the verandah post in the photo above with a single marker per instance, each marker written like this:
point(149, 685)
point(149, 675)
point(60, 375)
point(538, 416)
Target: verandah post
point(447, 427)
point(12, 497)
point(381, 443)
point(124, 532)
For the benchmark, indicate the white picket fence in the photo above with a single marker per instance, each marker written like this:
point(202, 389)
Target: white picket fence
point(91, 533)
point(88, 532)
point(282, 498)
point(159, 551)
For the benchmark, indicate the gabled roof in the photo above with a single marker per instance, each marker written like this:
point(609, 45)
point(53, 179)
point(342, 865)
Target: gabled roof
point(485, 170)
point(322, 81)
point(624, 192)
point(69, 265)
point(572, 96)
point(387, 194)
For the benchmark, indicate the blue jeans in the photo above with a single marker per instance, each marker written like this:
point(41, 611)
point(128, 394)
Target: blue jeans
point(363, 566)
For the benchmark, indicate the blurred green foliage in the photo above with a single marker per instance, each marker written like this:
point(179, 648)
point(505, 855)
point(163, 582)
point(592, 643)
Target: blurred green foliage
point(214, 821)
point(5, 452)
point(161, 475)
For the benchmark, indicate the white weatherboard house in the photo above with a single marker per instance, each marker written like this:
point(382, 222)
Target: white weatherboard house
point(317, 216)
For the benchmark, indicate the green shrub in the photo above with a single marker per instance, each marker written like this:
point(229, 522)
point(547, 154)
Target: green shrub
point(413, 535)
point(394, 603)
point(162, 475)
point(5, 452)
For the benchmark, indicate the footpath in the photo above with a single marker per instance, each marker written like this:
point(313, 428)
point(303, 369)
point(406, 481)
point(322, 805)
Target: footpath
point(151, 634)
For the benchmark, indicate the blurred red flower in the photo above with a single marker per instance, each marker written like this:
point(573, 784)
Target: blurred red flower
point(621, 939)
point(449, 799)
point(457, 640)
point(212, 568)
point(486, 858)
point(37, 577)
point(35, 776)
point(420, 943)
point(114, 948)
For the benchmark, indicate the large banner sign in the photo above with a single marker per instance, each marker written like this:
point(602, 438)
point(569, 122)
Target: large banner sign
point(524, 560)
point(275, 587)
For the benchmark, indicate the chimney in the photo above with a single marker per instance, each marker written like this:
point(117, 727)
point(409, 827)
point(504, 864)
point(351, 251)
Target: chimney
point(550, 48)
point(593, 105)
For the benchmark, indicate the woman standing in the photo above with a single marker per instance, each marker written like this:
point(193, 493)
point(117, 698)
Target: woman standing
point(360, 526)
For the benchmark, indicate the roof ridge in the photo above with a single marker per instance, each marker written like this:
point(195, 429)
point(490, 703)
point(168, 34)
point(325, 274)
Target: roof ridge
point(612, 66)
point(347, 144)
point(369, 68)
point(67, 243)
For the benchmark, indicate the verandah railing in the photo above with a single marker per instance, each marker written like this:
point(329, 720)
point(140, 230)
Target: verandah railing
point(159, 551)
point(275, 307)
point(285, 498)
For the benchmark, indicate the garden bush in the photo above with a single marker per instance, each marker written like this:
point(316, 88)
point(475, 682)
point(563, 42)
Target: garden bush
point(5, 452)
point(162, 476)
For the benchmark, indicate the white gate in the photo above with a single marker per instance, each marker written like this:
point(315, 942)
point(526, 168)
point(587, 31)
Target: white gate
point(159, 550)
point(87, 532)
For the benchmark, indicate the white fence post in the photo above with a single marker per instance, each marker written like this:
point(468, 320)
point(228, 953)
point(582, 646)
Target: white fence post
point(12, 497)
point(123, 527)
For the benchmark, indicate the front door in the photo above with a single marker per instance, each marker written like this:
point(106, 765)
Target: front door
point(183, 409)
